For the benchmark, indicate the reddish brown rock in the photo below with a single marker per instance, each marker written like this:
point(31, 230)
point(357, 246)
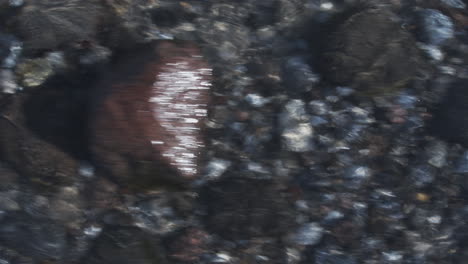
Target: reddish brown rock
point(148, 126)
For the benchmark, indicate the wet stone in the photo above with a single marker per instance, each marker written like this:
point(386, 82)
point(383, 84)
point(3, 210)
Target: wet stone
point(8, 81)
point(308, 234)
point(437, 153)
point(256, 100)
point(45, 27)
point(216, 167)
point(319, 107)
point(358, 174)
point(148, 127)
point(379, 60)
point(435, 27)
point(40, 161)
point(34, 72)
point(392, 257)
point(297, 130)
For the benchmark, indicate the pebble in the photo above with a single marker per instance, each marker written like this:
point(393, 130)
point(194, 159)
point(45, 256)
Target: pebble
point(392, 257)
point(8, 82)
point(221, 257)
point(86, 170)
point(298, 138)
point(256, 100)
point(297, 130)
point(318, 107)
point(216, 167)
point(433, 51)
point(298, 75)
point(437, 153)
point(436, 27)
point(309, 234)
point(34, 72)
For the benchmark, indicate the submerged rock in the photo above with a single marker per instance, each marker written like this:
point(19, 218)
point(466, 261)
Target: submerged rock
point(148, 125)
point(434, 27)
point(34, 72)
point(297, 130)
point(40, 161)
point(46, 25)
point(380, 59)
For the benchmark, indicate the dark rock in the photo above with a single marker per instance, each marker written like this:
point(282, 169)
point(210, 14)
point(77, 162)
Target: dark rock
point(170, 14)
point(122, 245)
point(40, 161)
point(57, 112)
point(148, 124)
point(46, 24)
point(126, 23)
point(37, 238)
point(450, 120)
point(246, 208)
point(371, 52)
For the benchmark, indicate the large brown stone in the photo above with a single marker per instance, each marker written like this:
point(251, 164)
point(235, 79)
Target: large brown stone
point(148, 125)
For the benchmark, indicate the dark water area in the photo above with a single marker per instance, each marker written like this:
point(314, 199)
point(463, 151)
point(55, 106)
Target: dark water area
point(274, 131)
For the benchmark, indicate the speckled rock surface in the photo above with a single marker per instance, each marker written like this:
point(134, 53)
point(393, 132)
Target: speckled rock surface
point(335, 132)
